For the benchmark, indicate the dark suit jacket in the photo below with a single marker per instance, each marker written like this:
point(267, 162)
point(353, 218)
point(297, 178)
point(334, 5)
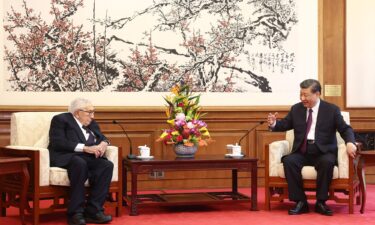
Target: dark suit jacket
point(328, 122)
point(64, 135)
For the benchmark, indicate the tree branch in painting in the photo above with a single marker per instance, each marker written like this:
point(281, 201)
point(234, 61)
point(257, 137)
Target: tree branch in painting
point(214, 46)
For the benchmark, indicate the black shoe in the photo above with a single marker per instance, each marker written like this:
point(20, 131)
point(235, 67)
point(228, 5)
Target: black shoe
point(76, 219)
point(301, 207)
point(99, 217)
point(323, 209)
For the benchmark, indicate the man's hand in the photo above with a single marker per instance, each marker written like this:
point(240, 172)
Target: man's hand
point(271, 119)
point(97, 150)
point(92, 150)
point(102, 147)
point(351, 149)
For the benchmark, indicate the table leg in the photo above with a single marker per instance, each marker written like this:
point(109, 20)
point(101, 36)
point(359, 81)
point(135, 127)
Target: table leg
point(235, 181)
point(254, 186)
point(133, 198)
point(362, 182)
point(25, 182)
point(124, 185)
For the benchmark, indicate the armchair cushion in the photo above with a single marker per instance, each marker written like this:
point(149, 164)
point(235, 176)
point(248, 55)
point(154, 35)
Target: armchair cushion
point(31, 128)
point(280, 148)
point(59, 176)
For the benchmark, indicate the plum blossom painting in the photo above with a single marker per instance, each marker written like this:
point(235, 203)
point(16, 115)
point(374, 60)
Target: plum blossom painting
point(238, 52)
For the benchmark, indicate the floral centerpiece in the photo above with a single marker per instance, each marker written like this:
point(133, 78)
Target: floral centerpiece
point(183, 113)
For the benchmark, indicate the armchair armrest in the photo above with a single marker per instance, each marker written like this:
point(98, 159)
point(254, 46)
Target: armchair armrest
point(40, 159)
point(113, 154)
point(277, 150)
point(343, 161)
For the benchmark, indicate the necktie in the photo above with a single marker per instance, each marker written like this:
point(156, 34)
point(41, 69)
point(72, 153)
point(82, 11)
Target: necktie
point(308, 126)
point(91, 139)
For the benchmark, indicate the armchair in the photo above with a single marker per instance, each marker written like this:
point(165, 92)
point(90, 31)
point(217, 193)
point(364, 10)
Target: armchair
point(344, 179)
point(29, 137)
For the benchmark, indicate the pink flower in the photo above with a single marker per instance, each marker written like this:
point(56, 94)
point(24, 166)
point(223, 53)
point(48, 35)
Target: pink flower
point(180, 116)
point(179, 123)
point(190, 125)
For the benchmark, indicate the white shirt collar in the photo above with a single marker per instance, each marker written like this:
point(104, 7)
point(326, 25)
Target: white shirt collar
point(79, 123)
point(316, 106)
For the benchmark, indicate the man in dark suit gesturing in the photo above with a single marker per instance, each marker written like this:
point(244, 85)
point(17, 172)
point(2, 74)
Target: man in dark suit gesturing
point(77, 144)
point(315, 123)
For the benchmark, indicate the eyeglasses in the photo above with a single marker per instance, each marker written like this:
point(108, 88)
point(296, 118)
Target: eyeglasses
point(90, 112)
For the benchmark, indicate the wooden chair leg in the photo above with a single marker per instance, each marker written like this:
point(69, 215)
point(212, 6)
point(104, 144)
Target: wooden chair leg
point(267, 198)
point(3, 208)
point(351, 201)
point(119, 203)
point(36, 210)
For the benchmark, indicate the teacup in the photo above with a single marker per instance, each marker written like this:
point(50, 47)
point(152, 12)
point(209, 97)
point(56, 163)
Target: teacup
point(236, 150)
point(229, 148)
point(144, 151)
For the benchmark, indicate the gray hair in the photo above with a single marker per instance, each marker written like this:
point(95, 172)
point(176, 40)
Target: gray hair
point(78, 103)
point(314, 84)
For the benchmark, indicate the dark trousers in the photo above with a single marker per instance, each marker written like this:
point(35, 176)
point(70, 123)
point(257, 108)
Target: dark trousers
point(323, 164)
point(98, 171)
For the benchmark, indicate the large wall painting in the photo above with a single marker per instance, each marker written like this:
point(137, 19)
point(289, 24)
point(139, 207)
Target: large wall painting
point(239, 52)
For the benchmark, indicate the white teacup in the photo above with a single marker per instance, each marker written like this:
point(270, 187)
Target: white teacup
point(144, 151)
point(229, 148)
point(236, 150)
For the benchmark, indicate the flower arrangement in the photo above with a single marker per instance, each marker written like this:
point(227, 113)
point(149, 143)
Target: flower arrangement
point(183, 113)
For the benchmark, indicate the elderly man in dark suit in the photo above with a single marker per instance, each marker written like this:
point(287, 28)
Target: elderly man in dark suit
point(77, 144)
point(315, 123)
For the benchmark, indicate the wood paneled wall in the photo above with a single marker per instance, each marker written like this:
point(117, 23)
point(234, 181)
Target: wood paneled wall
point(144, 124)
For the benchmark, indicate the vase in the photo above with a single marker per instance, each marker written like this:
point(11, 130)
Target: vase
point(185, 151)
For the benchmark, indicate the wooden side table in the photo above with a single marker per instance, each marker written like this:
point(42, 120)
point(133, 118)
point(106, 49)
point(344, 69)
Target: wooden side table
point(199, 162)
point(366, 158)
point(16, 165)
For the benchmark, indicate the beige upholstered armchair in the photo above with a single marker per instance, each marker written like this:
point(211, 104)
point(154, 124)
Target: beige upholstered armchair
point(344, 179)
point(29, 137)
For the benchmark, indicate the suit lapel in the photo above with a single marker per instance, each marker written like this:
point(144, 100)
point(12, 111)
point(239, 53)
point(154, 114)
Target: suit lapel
point(77, 129)
point(303, 111)
point(95, 130)
point(320, 118)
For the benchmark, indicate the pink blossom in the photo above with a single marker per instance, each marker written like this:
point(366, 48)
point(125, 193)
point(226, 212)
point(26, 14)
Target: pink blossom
point(190, 125)
point(180, 123)
point(180, 116)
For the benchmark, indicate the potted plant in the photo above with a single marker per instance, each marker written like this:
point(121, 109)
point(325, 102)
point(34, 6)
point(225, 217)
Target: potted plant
point(186, 131)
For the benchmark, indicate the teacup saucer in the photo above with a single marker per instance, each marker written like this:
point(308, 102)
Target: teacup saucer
point(145, 157)
point(234, 156)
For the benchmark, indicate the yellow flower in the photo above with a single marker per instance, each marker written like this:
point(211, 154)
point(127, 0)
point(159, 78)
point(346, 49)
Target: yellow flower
point(175, 132)
point(175, 90)
point(171, 122)
point(163, 135)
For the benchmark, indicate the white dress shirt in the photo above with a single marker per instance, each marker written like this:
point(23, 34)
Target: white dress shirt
point(311, 134)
